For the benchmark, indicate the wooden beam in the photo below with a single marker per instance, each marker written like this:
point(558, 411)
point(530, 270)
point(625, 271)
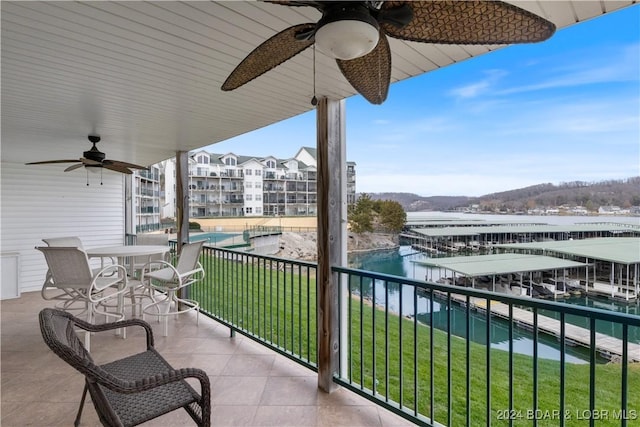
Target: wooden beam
point(182, 197)
point(332, 235)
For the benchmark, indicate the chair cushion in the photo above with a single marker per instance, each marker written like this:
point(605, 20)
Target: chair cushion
point(164, 275)
point(136, 408)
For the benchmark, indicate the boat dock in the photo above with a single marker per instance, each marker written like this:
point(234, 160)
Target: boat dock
point(606, 345)
point(459, 236)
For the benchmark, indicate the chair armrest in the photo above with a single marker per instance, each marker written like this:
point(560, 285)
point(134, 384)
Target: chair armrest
point(198, 270)
point(117, 325)
point(168, 377)
point(156, 264)
point(104, 271)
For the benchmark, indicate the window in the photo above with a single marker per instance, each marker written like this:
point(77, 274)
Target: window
point(271, 164)
point(258, 172)
point(230, 161)
point(248, 197)
point(258, 197)
point(203, 160)
point(247, 172)
point(248, 210)
point(258, 210)
point(247, 185)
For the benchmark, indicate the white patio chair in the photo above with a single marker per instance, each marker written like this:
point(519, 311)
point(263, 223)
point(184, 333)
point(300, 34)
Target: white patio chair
point(149, 239)
point(51, 292)
point(163, 277)
point(71, 272)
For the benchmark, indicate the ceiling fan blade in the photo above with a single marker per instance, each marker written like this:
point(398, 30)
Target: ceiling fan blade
point(370, 74)
point(117, 168)
point(52, 161)
point(123, 164)
point(268, 55)
point(467, 22)
point(90, 162)
point(74, 167)
point(316, 4)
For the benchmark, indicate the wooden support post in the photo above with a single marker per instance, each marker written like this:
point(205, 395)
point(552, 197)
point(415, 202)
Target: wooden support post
point(182, 197)
point(332, 234)
point(182, 206)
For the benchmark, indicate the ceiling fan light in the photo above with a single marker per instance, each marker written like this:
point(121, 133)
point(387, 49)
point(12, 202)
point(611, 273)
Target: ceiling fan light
point(93, 168)
point(347, 39)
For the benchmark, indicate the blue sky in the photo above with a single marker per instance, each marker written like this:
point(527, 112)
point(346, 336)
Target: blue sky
point(564, 110)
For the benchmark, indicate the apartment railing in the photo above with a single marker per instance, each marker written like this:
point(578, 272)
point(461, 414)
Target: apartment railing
point(147, 227)
point(420, 349)
point(270, 300)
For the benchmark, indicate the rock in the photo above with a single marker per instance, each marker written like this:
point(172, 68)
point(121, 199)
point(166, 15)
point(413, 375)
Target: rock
point(303, 246)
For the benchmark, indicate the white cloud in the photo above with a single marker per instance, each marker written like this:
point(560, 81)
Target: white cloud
point(609, 64)
point(381, 122)
point(472, 90)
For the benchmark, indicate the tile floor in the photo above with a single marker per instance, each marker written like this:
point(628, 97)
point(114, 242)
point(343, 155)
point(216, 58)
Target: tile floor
point(250, 384)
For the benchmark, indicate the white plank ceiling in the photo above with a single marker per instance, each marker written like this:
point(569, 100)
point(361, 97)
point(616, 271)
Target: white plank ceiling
point(146, 76)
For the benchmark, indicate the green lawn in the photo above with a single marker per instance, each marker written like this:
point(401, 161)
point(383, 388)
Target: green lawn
point(273, 300)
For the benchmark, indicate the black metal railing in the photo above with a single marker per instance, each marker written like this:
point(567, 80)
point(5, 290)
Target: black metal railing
point(420, 349)
point(438, 354)
point(270, 300)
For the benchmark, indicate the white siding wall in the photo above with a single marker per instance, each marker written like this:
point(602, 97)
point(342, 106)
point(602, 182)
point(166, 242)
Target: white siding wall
point(43, 201)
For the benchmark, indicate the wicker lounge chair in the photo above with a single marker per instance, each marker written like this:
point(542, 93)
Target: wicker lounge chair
point(132, 390)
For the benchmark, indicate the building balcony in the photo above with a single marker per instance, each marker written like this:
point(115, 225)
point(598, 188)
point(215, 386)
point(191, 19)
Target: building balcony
point(422, 367)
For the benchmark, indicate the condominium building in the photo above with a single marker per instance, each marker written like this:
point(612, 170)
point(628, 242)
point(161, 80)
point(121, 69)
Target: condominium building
point(238, 185)
point(146, 195)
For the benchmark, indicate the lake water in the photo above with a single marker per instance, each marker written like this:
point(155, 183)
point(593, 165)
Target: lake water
point(400, 262)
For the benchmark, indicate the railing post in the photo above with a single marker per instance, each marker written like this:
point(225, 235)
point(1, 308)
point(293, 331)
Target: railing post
point(331, 234)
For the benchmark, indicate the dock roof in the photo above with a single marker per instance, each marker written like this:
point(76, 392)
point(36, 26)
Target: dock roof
point(489, 265)
point(524, 229)
point(462, 223)
point(622, 250)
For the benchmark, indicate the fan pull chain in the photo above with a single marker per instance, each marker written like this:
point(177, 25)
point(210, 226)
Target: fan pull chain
point(87, 170)
point(314, 100)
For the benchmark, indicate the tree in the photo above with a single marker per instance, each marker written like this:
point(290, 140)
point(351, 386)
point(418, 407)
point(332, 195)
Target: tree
point(392, 216)
point(367, 215)
point(360, 215)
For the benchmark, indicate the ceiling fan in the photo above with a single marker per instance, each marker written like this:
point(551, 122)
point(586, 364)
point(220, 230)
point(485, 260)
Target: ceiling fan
point(355, 34)
point(95, 158)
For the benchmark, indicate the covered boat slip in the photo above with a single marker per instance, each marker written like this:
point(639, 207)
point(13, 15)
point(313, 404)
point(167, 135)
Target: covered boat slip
point(620, 250)
point(498, 266)
point(432, 223)
point(617, 256)
point(471, 237)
